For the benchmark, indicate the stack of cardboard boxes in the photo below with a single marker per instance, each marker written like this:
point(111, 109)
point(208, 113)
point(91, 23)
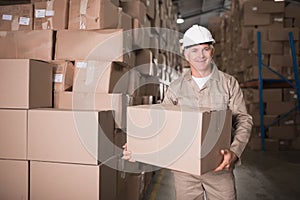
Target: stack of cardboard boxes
point(238, 28)
point(69, 69)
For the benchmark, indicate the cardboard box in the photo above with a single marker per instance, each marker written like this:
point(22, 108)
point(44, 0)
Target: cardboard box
point(100, 77)
point(36, 44)
point(296, 143)
point(16, 17)
point(292, 10)
point(268, 47)
point(93, 14)
point(263, 7)
point(255, 19)
point(71, 181)
point(13, 134)
point(14, 179)
point(144, 62)
point(25, 84)
point(70, 136)
point(63, 73)
point(268, 95)
point(93, 45)
point(278, 108)
point(125, 22)
point(94, 101)
point(279, 34)
point(252, 73)
point(51, 15)
point(150, 128)
point(282, 132)
point(150, 7)
point(268, 119)
point(281, 60)
point(136, 9)
point(141, 35)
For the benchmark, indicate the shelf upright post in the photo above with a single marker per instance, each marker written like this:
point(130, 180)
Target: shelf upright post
point(296, 71)
point(261, 101)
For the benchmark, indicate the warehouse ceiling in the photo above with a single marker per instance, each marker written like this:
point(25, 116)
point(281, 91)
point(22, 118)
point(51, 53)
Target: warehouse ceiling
point(199, 11)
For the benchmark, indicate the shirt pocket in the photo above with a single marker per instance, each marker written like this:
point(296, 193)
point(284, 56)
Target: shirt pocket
point(219, 101)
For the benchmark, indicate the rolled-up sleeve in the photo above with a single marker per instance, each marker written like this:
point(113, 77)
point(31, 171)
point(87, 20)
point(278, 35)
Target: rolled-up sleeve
point(242, 121)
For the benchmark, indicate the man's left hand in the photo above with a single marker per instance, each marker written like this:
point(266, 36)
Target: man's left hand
point(229, 158)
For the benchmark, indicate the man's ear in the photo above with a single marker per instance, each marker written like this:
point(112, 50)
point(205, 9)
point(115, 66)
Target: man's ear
point(213, 52)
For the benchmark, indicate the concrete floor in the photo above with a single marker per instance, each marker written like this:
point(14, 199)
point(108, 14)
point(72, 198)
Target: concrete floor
point(262, 176)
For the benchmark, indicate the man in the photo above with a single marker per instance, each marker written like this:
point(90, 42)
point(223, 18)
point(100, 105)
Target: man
point(205, 86)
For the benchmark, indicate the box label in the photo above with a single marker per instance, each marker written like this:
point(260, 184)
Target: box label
point(81, 65)
point(40, 13)
point(58, 78)
point(24, 21)
point(7, 17)
point(50, 13)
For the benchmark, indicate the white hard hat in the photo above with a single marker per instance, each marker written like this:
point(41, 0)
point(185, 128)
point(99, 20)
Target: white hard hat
point(197, 35)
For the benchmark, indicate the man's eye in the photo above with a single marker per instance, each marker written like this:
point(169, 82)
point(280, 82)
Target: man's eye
point(194, 50)
point(206, 49)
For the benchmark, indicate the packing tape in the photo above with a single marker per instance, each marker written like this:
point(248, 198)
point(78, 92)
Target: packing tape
point(82, 16)
point(90, 73)
point(119, 18)
point(50, 5)
point(15, 24)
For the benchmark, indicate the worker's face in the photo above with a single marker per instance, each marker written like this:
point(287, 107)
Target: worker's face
point(199, 56)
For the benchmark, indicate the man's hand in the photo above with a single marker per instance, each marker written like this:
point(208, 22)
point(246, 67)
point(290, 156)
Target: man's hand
point(229, 158)
point(127, 154)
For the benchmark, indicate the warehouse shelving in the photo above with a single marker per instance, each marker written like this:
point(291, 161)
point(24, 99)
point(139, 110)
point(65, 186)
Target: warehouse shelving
point(283, 82)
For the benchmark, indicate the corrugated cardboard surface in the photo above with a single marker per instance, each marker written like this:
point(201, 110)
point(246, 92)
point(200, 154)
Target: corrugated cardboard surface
point(13, 134)
point(92, 45)
point(35, 44)
point(64, 181)
point(94, 101)
point(155, 131)
point(16, 17)
point(25, 83)
point(70, 136)
point(14, 179)
point(51, 15)
point(63, 73)
point(93, 14)
point(100, 77)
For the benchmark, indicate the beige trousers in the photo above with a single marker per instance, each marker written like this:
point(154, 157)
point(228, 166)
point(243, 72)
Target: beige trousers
point(213, 185)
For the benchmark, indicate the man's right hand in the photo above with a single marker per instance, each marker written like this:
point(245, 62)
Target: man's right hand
point(127, 154)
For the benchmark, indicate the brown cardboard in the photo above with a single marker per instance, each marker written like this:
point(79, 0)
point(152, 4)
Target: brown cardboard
point(70, 136)
point(296, 143)
point(92, 45)
point(292, 10)
point(93, 14)
point(125, 22)
point(25, 84)
point(144, 62)
point(155, 136)
point(268, 119)
point(150, 7)
point(63, 73)
point(100, 77)
point(281, 60)
point(141, 35)
point(282, 132)
point(14, 179)
point(36, 44)
point(268, 95)
point(16, 17)
point(263, 7)
point(71, 181)
point(136, 9)
point(51, 15)
point(94, 101)
point(266, 73)
point(279, 34)
point(278, 108)
point(13, 134)
point(268, 47)
point(255, 19)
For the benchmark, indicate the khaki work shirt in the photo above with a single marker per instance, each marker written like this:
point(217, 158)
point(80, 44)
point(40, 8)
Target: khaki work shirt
point(220, 92)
